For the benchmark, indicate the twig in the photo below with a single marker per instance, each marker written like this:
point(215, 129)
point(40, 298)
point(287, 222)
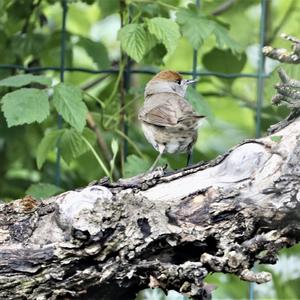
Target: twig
point(138, 151)
point(288, 91)
point(282, 54)
point(89, 85)
point(284, 19)
point(122, 122)
point(223, 7)
point(32, 8)
point(101, 142)
point(97, 157)
point(290, 38)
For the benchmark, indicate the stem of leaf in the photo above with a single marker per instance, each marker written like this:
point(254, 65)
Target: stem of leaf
point(124, 61)
point(100, 162)
point(138, 151)
point(113, 117)
point(95, 98)
point(121, 69)
point(112, 163)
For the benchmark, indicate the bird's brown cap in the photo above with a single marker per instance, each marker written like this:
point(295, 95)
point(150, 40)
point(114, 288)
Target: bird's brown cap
point(167, 75)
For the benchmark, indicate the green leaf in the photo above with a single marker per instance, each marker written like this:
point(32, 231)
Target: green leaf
point(194, 25)
point(23, 45)
point(68, 102)
point(155, 56)
point(43, 190)
point(72, 144)
point(88, 1)
point(197, 27)
point(135, 165)
point(109, 7)
point(25, 106)
point(135, 41)
point(48, 143)
point(224, 61)
point(114, 149)
point(25, 79)
point(224, 40)
point(199, 103)
point(276, 138)
point(166, 31)
point(96, 51)
point(51, 52)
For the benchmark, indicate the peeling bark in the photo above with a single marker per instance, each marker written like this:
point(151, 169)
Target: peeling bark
point(110, 240)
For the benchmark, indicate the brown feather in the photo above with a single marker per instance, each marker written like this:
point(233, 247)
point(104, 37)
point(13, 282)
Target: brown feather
point(167, 110)
point(167, 75)
point(168, 120)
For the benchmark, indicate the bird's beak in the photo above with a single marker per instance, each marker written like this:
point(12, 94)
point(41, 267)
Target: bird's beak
point(191, 81)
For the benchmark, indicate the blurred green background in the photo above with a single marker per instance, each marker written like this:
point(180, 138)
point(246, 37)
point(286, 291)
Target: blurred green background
point(30, 35)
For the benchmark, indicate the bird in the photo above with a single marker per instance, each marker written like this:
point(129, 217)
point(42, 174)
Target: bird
point(168, 120)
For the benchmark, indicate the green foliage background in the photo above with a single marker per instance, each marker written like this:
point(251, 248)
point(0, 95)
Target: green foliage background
point(155, 35)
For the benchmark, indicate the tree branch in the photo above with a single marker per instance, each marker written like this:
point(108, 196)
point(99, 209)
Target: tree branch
point(226, 5)
point(288, 90)
point(160, 229)
point(117, 238)
point(283, 55)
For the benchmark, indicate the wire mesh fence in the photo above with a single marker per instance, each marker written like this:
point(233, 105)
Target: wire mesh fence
point(259, 76)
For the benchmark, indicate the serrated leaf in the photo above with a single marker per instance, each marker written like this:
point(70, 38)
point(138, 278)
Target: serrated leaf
point(72, 144)
point(197, 27)
point(25, 79)
point(199, 103)
point(96, 51)
point(224, 40)
point(151, 41)
point(133, 40)
point(47, 144)
point(166, 31)
point(276, 138)
point(68, 101)
point(25, 106)
point(194, 25)
point(43, 190)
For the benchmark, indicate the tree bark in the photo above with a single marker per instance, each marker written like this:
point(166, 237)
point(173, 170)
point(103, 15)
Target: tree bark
point(109, 240)
point(169, 230)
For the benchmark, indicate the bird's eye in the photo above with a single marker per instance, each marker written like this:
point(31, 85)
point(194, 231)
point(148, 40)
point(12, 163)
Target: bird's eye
point(178, 81)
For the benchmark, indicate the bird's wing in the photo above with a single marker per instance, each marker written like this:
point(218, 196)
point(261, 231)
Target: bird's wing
point(160, 115)
point(166, 109)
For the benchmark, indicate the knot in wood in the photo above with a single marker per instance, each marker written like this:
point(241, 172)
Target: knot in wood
point(25, 205)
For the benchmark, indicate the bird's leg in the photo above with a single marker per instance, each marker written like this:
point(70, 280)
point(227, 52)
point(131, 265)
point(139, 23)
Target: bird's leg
point(189, 157)
point(161, 149)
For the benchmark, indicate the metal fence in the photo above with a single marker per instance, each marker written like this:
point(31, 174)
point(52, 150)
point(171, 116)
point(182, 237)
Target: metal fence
point(258, 76)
